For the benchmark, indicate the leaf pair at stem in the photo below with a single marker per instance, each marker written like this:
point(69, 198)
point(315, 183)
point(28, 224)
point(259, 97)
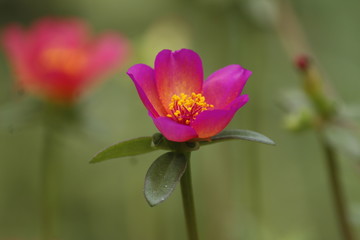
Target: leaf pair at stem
point(166, 171)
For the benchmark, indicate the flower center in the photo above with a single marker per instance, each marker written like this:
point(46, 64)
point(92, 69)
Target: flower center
point(185, 108)
point(69, 61)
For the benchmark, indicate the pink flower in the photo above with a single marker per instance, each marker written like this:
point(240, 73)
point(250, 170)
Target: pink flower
point(181, 104)
point(57, 59)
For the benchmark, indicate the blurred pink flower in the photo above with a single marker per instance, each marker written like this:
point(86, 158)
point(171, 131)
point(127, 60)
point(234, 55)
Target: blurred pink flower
point(181, 104)
point(57, 58)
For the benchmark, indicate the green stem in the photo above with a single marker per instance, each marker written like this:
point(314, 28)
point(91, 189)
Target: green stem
point(188, 202)
point(49, 178)
point(337, 191)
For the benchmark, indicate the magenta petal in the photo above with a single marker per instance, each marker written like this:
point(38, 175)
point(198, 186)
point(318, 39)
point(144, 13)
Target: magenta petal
point(174, 131)
point(53, 32)
point(224, 85)
point(14, 42)
point(178, 72)
point(210, 123)
point(16, 45)
point(108, 52)
point(144, 80)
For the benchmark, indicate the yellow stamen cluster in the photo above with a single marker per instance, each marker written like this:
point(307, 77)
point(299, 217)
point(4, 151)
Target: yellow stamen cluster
point(69, 61)
point(185, 108)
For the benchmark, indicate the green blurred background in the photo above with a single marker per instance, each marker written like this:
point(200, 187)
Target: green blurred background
point(242, 190)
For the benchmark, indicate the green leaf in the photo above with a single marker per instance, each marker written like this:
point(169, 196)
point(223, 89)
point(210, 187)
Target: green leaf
point(163, 176)
point(127, 148)
point(238, 134)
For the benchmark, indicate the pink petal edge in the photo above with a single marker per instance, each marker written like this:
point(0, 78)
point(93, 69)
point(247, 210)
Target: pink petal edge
point(144, 80)
point(174, 131)
point(107, 53)
point(68, 32)
point(14, 42)
point(225, 85)
point(210, 123)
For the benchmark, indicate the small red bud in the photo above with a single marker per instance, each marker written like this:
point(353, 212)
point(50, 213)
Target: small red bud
point(302, 62)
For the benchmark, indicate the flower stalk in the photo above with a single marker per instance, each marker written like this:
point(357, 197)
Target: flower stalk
point(325, 111)
point(188, 201)
point(49, 178)
point(337, 190)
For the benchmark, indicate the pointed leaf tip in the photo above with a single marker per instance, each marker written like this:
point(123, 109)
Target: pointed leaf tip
point(163, 176)
point(127, 148)
point(239, 134)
